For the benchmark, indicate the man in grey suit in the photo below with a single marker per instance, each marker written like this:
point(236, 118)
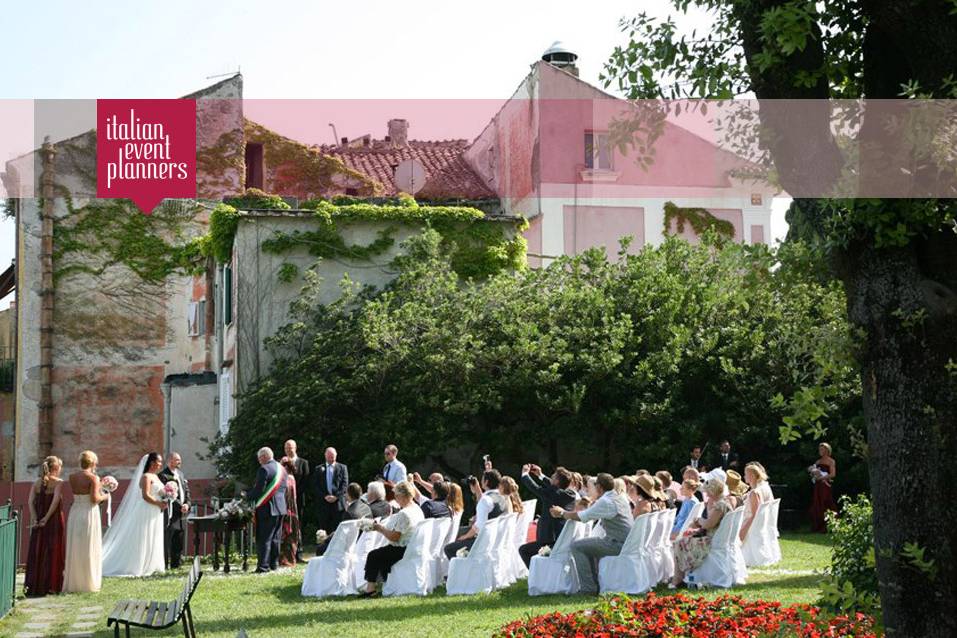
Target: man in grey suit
point(614, 512)
point(269, 498)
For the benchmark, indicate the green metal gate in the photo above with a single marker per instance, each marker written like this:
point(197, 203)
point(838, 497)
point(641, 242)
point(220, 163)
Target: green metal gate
point(9, 549)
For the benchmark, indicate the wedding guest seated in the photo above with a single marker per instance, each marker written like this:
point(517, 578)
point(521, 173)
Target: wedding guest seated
point(737, 488)
point(436, 507)
point(578, 483)
point(647, 497)
point(555, 491)
point(426, 486)
point(691, 474)
point(591, 489)
point(509, 489)
point(375, 498)
point(614, 513)
point(692, 548)
point(688, 501)
point(666, 499)
point(757, 478)
point(355, 508)
point(398, 531)
point(455, 500)
point(668, 485)
point(490, 504)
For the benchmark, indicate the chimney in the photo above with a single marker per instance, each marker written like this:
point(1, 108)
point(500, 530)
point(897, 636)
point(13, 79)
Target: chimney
point(558, 55)
point(398, 133)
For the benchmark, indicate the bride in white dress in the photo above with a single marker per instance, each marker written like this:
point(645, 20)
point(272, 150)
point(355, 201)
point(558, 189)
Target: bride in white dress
point(133, 546)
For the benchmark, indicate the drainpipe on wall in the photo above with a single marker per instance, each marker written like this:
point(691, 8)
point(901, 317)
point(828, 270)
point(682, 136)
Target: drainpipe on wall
point(45, 421)
point(167, 420)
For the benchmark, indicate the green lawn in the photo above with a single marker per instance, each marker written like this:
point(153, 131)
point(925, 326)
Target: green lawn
point(270, 605)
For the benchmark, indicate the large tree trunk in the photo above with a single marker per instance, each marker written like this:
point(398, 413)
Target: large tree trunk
point(909, 321)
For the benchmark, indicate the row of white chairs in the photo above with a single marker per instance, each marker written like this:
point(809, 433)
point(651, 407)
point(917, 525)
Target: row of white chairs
point(492, 562)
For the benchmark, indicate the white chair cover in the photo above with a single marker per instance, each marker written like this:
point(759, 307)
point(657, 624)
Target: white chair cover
point(724, 564)
point(633, 571)
point(441, 566)
point(412, 575)
point(696, 511)
point(760, 543)
point(368, 541)
point(556, 573)
point(333, 573)
point(664, 556)
point(486, 566)
point(519, 537)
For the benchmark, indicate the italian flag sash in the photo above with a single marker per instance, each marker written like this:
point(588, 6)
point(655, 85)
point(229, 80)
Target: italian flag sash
point(273, 486)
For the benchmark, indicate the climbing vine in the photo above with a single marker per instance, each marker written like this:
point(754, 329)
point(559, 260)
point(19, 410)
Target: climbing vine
point(700, 219)
point(478, 247)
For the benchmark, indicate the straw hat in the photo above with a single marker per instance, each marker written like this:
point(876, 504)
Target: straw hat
point(735, 485)
point(646, 483)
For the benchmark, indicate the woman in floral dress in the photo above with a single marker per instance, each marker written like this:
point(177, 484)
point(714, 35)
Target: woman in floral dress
point(692, 548)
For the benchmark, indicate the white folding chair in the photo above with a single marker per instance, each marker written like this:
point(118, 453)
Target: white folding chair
point(519, 536)
point(368, 541)
point(756, 546)
point(479, 571)
point(555, 573)
point(723, 565)
point(664, 556)
point(412, 575)
point(332, 574)
point(774, 535)
point(633, 571)
point(696, 511)
point(441, 566)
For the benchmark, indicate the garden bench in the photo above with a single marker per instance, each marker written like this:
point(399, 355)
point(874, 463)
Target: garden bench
point(151, 614)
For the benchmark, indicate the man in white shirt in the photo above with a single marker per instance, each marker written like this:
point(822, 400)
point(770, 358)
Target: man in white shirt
point(614, 512)
point(491, 504)
point(394, 470)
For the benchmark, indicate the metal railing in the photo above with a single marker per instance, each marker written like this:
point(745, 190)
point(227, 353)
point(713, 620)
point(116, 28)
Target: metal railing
point(9, 556)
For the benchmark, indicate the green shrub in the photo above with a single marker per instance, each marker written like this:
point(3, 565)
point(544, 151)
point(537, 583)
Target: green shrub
point(851, 583)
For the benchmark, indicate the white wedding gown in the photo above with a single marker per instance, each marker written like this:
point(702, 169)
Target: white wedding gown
point(133, 546)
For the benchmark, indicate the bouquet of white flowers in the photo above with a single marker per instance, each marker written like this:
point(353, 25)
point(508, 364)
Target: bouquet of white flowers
point(235, 510)
point(365, 524)
point(108, 484)
point(545, 550)
point(463, 552)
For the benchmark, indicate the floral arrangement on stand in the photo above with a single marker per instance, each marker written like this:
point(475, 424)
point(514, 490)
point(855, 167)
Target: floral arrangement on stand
point(681, 616)
point(236, 510)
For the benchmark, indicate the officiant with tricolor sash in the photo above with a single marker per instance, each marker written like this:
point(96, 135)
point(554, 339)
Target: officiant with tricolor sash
point(268, 496)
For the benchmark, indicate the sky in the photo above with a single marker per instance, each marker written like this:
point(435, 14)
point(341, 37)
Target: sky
point(371, 49)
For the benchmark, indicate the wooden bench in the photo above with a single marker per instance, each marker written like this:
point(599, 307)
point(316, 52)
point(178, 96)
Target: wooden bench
point(151, 614)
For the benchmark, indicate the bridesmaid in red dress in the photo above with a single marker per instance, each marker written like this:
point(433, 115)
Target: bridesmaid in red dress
point(822, 473)
point(47, 552)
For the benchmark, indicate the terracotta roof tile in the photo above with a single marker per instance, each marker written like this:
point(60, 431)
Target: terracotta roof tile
point(448, 174)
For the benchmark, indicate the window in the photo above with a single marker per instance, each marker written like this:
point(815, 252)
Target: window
point(196, 318)
point(598, 152)
point(227, 295)
point(254, 166)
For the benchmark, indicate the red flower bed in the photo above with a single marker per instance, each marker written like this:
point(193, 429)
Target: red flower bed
point(682, 616)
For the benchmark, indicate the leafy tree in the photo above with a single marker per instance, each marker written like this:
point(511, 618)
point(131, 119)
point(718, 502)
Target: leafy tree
point(897, 258)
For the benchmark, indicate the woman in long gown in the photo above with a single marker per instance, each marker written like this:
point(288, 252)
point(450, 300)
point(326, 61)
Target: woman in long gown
point(47, 551)
point(291, 530)
point(133, 546)
point(823, 499)
point(83, 569)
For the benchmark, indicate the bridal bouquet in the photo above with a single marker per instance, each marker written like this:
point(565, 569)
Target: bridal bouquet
point(365, 524)
point(108, 484)
point(170, 491)
point(816, 473)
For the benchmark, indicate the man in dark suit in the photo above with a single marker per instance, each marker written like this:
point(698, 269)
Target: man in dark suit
point(696, 461)
point(176, 514)
point(330, 481)
point(300, 472)
point(725, 458)
point(550, 492)
point(356, 508)
point(268, 496)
